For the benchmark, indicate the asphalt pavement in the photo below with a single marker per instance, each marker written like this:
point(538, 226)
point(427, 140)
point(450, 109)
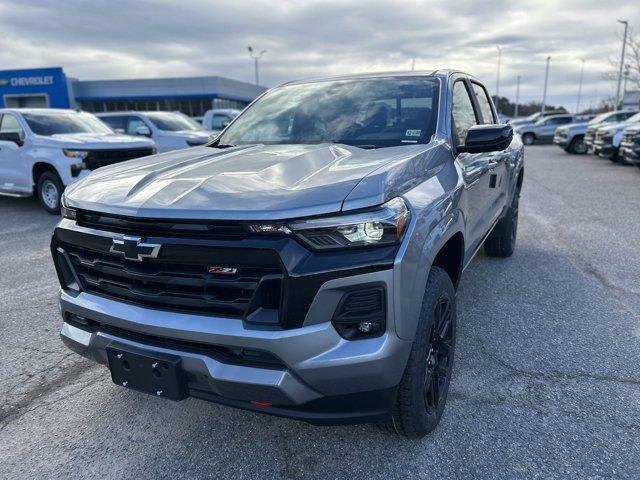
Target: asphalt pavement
point(546, 379)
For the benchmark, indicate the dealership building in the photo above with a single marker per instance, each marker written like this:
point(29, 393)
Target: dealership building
point(51, 87)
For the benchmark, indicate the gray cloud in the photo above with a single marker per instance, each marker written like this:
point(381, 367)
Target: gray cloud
point(127, 39)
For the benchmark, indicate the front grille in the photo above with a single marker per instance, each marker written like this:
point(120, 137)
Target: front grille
point(631, 137)
point(154, 227)
point(101, 158)
point(182, 284)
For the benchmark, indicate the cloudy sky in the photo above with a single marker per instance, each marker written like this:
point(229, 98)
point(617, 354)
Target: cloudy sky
point(141, 39)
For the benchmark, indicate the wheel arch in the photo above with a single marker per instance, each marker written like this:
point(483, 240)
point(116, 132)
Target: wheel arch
point(38, 168)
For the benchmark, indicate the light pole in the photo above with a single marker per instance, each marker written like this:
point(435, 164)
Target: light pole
point(624, 44)
point(626, 77)
point(580, 87)
point(515, 113)
point(255, 61)
point(546, 81)
point(498, 77)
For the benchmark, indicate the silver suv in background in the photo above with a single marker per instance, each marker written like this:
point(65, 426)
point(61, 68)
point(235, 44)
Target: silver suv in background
point(542, 130)
point(572, 137)
point(43, 150)
point(169, 130)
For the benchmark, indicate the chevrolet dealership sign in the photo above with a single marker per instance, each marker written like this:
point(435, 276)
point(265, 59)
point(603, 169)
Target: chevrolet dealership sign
point(27, 81)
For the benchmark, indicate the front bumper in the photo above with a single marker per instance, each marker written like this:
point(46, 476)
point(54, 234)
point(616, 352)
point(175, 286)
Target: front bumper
point(603, 149)
point(561, 141)
point(317, 375)
point(630, 153)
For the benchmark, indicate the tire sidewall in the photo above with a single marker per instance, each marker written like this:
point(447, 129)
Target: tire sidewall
point(53, 178)
point(528, 139)
point(440, 287)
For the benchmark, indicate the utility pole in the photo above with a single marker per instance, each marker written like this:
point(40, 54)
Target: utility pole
point(498, 78)
point(546, 81)
point(580, 87)
point(413, 64)
point(624, 44)
point(255, 62)
point(515, 113)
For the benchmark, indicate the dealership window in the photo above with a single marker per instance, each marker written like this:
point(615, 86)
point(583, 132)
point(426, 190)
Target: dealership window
point(194, 107)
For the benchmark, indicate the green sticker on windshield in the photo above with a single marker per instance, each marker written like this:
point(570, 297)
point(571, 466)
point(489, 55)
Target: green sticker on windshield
point(413, 133)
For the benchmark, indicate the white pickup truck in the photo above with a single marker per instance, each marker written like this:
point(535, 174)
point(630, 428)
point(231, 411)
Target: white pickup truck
point(44, 150)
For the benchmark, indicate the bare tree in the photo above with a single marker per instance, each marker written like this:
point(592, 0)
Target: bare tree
point(631, 67)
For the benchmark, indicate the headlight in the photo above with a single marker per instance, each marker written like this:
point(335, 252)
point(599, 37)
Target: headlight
point(77, 154)
point(384, 225)
point(66, 211)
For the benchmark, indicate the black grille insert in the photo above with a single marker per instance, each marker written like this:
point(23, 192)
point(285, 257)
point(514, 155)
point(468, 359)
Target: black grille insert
point(100, 158)
point(150, 227)
point(174, 284)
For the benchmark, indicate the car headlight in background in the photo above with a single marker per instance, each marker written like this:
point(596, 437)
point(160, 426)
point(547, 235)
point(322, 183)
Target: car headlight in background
point(384, 225)
point(78, 154)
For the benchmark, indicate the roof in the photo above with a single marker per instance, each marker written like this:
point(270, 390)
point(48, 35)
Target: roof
point(402, 73)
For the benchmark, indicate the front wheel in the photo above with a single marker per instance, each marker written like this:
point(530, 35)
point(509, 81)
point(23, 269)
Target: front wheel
point(423, 390)
point(49, 190)
point(528, 139)
point(578, 146)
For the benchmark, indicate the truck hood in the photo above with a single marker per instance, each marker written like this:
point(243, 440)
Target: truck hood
point(93, 141)
point(616, 127)
point(244, 183)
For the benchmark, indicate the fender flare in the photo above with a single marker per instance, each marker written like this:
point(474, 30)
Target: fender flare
point(450, 225)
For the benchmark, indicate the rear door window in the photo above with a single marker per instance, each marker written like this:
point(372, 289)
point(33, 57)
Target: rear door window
point(483, 102)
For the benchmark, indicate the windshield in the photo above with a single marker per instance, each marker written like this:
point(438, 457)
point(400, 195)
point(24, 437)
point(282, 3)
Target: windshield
point(635, 118)
point(173, 122)
point(601, 118)
point(48, 124)
point(368, 113)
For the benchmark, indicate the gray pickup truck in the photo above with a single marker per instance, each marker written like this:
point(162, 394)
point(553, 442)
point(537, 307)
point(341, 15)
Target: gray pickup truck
point(303, 264)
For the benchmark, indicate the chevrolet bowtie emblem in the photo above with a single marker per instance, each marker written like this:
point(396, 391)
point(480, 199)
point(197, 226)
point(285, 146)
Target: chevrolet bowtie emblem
point(133, 248)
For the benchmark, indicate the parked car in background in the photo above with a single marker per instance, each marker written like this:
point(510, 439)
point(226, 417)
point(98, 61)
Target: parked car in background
point(303, 264)
point(608, 138)
point(618, 116)
point(542, 130)
point(216, 120)
point(44, 150)
point(514, 122)
point(571, 137)
point(630, 145)
point(169, 130)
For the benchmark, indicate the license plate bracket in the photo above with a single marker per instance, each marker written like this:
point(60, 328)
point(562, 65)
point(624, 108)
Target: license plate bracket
point(155, 373)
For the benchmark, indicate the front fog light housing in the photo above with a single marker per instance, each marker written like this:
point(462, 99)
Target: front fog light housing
point(384, 225)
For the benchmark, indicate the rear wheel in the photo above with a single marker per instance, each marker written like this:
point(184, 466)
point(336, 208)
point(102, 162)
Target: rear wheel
point(423, 390)
point(49, 190)
point(528, 138)
point(578, 146)
point(501, 242)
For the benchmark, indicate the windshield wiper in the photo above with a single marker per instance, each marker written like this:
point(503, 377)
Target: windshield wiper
point(223, 146)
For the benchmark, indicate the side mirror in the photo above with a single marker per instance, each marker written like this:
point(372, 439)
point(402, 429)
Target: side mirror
point(143, 130)
point(225, 123)
point(14, 137)
point(487, 138)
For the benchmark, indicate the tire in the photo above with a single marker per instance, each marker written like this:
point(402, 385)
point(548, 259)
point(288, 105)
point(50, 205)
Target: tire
point(614, 156)
point(49, 190)
point(528, 138)
point(501, 242)
point(422, 393)
point(577, 146)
